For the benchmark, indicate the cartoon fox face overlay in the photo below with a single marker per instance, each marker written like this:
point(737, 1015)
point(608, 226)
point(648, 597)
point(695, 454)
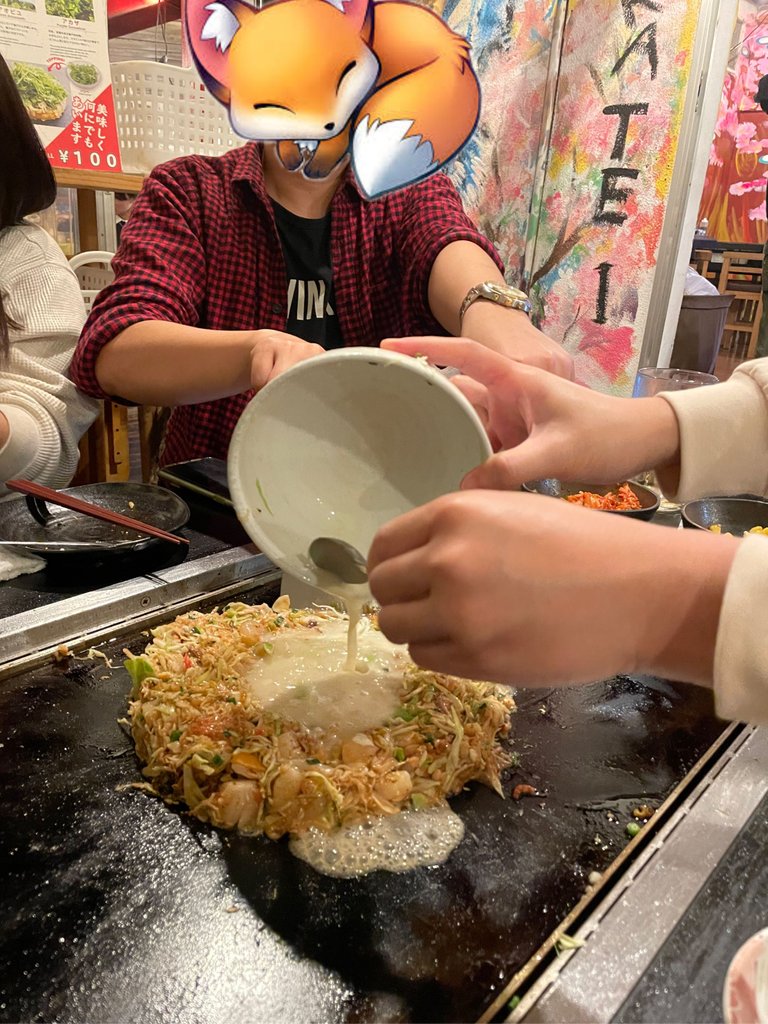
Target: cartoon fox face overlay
point(387, 83)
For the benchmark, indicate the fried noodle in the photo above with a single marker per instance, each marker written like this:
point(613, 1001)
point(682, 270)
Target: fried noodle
point(206, 740)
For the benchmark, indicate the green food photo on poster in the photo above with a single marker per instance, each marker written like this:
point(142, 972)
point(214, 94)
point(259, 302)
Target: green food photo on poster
point(44, 97)
point(83, 74)
point(18, 5)
point(81, 10)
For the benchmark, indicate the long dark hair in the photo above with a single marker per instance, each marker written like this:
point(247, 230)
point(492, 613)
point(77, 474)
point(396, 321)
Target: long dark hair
point(27, 184)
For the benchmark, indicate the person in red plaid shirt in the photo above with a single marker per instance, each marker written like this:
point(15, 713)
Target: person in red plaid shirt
point(228, 264)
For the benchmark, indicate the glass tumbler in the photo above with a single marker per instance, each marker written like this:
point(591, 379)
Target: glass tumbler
point(651, 381)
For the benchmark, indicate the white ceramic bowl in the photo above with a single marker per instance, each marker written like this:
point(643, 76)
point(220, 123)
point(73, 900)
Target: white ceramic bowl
point(340, 444)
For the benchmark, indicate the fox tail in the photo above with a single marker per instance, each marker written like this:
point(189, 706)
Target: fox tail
point(412, 126)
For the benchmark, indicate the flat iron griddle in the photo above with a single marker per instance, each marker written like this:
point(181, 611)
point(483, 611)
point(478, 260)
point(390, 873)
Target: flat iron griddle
point(117, 908)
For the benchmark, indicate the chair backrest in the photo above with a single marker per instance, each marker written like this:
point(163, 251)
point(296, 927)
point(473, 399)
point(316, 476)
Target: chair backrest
point(740, 271)
point(94, 272)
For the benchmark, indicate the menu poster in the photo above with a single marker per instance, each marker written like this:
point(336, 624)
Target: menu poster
point(58, 56)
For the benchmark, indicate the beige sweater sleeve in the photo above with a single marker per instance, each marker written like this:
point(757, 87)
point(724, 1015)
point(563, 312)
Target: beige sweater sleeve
point(46, 413)
point(741, 653)
point(723, 436)
point(724, 446)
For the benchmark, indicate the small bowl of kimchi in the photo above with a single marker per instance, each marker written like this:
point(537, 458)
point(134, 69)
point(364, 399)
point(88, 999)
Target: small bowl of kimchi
point(624, 499)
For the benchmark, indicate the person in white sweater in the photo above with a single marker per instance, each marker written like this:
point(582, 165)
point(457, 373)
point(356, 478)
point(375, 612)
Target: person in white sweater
point(42, 414)
point(526, 590)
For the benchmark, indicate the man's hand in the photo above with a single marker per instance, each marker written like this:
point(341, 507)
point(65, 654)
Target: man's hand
point(511, 333)
point(461, 266)
point(190, 365)
point(532, 591)
point(274, 352)
point(551, 427)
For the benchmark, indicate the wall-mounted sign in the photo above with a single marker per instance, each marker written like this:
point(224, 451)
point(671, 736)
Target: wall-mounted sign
point(58, 56)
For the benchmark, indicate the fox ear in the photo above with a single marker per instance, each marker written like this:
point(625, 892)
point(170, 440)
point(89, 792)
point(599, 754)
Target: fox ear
point(210, 28)
point(356, 10)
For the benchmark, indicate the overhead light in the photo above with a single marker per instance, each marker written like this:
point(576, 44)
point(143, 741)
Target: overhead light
point(763, 159)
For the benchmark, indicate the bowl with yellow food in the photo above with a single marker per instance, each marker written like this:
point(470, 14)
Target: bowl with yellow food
point(735, 516)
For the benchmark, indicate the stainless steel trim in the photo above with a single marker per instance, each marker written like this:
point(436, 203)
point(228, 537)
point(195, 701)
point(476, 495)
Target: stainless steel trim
point(595, 894)
point(590, 984)
point(30, 637)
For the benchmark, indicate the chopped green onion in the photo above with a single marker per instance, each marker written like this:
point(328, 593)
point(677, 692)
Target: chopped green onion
point(313, 760)
point(175, 735)
point(406, 714)
point(399, 754)
point(263, 497)
point(196, 629)
point(632, 829)
point(217, 760)
point(231, 700)
point(418, 801)
point(429, 738)
point(513, 1003)
point(279, 621)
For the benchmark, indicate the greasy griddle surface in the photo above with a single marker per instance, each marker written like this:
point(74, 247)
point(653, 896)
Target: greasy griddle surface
point(117, 908)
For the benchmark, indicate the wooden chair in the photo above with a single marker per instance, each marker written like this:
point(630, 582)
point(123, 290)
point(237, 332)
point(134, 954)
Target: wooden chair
point(701, 261)
point(104, 449)
point(152, 423)
point(741, 275)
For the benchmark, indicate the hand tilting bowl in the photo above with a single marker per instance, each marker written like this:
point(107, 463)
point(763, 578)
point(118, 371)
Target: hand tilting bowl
point(340, 444)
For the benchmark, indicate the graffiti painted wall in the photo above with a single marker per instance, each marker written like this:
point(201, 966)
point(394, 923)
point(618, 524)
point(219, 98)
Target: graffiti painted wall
point(511, 52)
point(620, 97)
point(734, 190)
point(593, 223)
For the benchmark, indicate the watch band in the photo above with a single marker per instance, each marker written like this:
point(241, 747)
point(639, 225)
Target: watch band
point(501, 295)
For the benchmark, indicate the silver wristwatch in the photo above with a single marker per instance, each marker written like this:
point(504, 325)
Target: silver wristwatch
point(501, 294)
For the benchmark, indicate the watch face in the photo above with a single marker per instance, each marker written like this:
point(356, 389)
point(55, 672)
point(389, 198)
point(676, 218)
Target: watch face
point(490, 291)
point(504, 294)
point(501, 294)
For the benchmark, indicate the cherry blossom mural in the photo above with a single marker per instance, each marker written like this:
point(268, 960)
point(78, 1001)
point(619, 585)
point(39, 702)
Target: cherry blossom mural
point(621, 89)
point(512, 52)
point(734, 191)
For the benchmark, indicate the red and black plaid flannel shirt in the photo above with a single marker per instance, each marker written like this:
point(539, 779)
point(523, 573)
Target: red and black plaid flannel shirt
point(201, 248)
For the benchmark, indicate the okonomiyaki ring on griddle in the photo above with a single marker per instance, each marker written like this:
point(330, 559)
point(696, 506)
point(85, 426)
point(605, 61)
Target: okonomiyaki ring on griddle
point(219, 729)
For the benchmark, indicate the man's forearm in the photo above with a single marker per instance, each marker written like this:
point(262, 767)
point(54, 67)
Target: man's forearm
point(458, 268)
point(161, 363)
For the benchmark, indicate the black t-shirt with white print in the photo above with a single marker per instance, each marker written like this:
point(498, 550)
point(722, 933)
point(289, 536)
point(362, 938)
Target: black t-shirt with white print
point(306, 246)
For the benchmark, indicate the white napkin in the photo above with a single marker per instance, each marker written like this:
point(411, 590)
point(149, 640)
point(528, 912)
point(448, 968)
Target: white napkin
point(14, 563)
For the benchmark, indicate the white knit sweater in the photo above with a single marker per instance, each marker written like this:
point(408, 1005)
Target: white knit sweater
point(46, 413)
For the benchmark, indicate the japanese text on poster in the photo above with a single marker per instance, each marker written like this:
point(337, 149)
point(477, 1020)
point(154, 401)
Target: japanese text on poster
point(58, 56)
